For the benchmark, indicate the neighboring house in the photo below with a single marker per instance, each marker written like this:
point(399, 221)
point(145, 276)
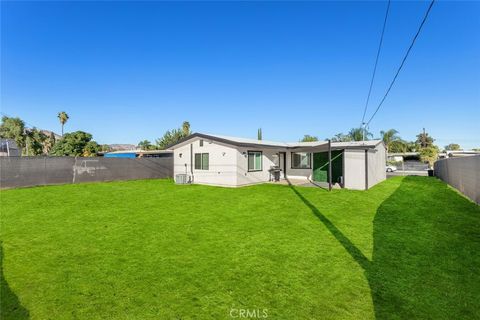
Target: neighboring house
point(8, 148)
point(228, 161)
point(139, 154)
point(461, 153)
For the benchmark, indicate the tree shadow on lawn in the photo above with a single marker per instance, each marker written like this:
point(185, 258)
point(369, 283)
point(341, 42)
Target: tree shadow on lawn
point(425, 261)
point(10, 306)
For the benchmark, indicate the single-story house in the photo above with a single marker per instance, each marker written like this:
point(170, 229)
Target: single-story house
point(233, 162)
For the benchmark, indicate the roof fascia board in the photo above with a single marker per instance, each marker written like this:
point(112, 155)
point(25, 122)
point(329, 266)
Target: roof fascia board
point(267, 146)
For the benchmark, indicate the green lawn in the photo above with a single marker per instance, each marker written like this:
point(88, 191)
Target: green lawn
point(408, 248)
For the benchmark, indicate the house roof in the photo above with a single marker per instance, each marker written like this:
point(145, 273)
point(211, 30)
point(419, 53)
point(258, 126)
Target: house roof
point(245, 142)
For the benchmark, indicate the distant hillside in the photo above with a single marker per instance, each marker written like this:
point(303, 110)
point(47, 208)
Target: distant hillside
point(119, 146)
point(48, 133)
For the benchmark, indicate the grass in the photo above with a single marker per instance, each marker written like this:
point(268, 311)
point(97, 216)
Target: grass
point(407, 248)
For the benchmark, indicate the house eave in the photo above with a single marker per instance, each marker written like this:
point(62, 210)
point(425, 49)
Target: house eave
point(320, 147)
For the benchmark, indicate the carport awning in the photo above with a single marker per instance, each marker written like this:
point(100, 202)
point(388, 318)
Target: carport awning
point(324, 148)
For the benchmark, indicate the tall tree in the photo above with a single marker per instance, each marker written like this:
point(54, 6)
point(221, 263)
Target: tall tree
point(49, 143)
point(63, 118)
point(424, 140)
point(186, 129)
point(452, 147)
point(145, 145)
point(173, 136)
point(357, 134)
point(34, 142)
point(412, 146)
point(72, 144)
point(105, 148)
point(388, 137)
point(429, 155)
point(309, 138)
point(13, 128)
point(340, 137)
point(398, 146)
point(259, 134)
point(90, 149)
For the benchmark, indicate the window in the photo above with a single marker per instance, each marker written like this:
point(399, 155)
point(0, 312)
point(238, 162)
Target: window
point(254, 161)
point(201, 142)
point(301, 160)
point(201, 161)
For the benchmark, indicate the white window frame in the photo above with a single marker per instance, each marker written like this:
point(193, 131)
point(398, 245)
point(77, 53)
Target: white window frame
point(202, 165)
point(309, 165)
point(254, 154)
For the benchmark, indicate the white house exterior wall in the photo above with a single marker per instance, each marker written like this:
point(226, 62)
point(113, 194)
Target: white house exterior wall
point(354, 169)
point(245, 177)
point(222, 169)
point(376, 165)
point(298, 173)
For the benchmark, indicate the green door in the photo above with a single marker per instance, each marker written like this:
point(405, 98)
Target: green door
point(320, 166)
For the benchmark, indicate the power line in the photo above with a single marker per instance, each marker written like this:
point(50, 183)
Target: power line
point(376, 61)
point(403, 61)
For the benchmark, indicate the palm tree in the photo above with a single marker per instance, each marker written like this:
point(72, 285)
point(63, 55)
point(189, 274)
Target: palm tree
point(398, 146)
point(259, 134)
point(356, 134)
point(63, 117)
point(340, 137)
point(389, 136)
point(145, 145)
point(186, 128)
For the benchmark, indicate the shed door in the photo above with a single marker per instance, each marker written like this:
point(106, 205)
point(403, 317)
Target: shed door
point(320, 166)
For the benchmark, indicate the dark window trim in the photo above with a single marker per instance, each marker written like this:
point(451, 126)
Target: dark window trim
point(201, 161)
point(291, 160)
point(261, 160)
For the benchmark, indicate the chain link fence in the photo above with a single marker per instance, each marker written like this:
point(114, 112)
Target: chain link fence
point(33, 171)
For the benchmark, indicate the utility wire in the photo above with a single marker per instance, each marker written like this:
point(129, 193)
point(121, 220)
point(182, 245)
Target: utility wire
point(403, 61)
point(376, 62)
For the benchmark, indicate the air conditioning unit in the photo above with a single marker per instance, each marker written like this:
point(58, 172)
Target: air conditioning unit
point(182, 178)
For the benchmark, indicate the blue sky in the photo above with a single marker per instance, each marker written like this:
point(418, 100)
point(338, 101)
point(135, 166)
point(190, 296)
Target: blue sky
point(127, 71)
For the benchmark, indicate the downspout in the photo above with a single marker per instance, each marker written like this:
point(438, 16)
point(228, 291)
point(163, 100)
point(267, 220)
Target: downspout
point(329, 165)
point(191, 160)
point(366, 169)
point(343, 168)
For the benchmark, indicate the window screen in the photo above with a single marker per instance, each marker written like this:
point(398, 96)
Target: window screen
point(254, 161)
point(301, 160)
point(201, 161)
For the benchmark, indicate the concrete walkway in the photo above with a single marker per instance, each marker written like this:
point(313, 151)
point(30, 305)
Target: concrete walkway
point(303, 183)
